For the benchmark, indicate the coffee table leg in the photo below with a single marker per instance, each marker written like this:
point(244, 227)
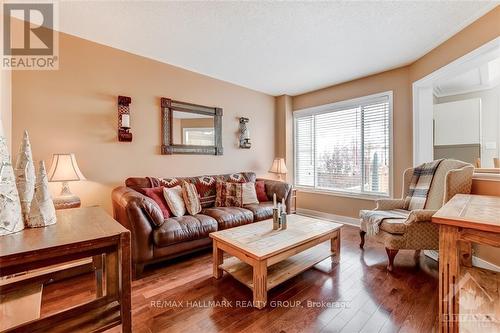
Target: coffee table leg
point(218, 260)
point(335, 245)
point(260, 284)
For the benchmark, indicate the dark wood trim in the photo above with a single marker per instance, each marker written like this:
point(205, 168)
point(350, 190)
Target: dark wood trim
point(362, 236)
point(391, 254)
point(168, 147)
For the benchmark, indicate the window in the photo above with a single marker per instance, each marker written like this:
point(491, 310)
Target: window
point(199, 136)
point(345, 147)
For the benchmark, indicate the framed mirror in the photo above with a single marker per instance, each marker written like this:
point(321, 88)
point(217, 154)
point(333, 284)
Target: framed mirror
point(190, 128)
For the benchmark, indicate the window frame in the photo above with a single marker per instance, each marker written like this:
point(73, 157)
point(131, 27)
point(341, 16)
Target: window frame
point(332, 107)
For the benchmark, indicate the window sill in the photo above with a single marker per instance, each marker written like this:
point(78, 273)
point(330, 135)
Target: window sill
point(342, 194)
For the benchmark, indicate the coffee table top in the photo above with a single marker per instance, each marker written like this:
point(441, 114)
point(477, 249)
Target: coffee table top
point(260, 241)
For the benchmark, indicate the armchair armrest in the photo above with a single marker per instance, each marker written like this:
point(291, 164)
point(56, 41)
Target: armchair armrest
point(420, 215)
point(138, 214)
point(283, 191)
point(458, 181)
point(388, 204)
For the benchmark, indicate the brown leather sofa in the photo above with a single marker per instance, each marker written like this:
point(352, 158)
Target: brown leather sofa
point(155, 238)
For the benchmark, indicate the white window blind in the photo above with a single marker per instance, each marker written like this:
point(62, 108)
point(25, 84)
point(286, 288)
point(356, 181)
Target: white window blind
point(345, 147)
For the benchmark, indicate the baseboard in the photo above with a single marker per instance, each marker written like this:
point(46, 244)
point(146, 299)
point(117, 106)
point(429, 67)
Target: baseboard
point(476, 261)
point(330, 217)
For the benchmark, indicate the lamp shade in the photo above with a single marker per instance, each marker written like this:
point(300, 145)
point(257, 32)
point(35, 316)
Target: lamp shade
point(278, 166)
point(64, 169)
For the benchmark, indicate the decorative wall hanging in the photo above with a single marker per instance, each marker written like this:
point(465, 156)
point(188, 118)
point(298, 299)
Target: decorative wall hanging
point(11, 219)
point(190, 128)
point(124, 134)
point(25, 176)
point(42, 212)
point(244, 133)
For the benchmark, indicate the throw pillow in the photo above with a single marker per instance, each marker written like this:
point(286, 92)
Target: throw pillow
point(229, 194)
point(191, 198)
point(260, 188)
point(249, 194)
point(174, 199)
point(156, 194)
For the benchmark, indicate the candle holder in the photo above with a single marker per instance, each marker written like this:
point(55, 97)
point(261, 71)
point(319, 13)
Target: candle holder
point(124, 134)
point(276, 219)
point(283, 221)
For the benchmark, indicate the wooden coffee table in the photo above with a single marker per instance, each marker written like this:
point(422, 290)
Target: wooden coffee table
point(263, 258)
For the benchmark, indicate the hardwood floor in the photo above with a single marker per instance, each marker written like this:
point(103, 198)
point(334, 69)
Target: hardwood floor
point(358, 295)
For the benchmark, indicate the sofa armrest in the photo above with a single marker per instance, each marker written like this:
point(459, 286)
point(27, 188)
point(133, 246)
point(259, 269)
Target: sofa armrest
point(138, 214)
point(283, 191)
point(388, 204)
point(420, 215)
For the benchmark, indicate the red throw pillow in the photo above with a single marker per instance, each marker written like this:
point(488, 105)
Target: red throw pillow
point(260, 188)
point(156, 193)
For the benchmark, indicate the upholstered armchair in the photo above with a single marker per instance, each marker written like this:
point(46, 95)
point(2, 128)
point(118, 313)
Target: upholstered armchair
point(417, 232)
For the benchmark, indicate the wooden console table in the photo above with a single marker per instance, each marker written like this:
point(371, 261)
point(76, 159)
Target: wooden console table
point(465, 219)
point(79, 233)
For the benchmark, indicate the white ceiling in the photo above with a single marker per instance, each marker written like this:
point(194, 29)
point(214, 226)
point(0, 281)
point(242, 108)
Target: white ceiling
point(273, 47)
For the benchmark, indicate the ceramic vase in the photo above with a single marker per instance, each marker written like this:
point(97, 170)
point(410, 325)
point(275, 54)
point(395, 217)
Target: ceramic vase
point(42, 211)
point(25, 176)
point(10, 207)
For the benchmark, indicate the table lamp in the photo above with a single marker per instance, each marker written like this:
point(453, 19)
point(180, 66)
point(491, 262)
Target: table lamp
point(279, 167)
point(65, 169)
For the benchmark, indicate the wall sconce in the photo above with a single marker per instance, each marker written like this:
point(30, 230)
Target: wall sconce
point(124, 134)
point(244, 134)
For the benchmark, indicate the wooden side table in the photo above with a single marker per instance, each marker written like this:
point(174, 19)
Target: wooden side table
point(79, 233)
point(465, 219)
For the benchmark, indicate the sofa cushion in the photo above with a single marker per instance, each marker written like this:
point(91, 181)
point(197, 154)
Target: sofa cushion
point(175, 201)
point(185, 228)
point(228, 217)
point(191, 198)
point(229, 194)
point(260, 189)
point(261, 211)
point(393, 226)
point(156, 194)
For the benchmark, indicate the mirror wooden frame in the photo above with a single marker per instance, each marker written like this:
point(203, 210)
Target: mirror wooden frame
point(168, 106)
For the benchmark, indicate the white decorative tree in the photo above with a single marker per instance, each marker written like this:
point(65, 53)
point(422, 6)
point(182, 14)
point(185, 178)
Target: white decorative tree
point(42, 212)
point(10, 207)
point(25, 176)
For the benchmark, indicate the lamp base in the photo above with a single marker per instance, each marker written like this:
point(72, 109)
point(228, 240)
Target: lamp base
point(67, 201)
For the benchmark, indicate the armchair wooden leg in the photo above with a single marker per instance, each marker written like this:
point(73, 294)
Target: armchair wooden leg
point(391, 254)
point(362, 235)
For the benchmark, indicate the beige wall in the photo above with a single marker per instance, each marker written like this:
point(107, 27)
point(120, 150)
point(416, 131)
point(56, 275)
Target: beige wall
point(74, 109)
point(5, 106)
point(284, 132)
